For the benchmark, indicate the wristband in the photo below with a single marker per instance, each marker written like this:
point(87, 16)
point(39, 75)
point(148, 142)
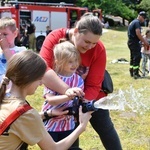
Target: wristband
point(46, 115)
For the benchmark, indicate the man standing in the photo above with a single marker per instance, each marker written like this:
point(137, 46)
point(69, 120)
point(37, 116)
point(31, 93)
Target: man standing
point(134, 44)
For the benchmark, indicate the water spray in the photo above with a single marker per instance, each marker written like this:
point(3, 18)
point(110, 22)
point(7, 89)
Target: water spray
point(127, 100)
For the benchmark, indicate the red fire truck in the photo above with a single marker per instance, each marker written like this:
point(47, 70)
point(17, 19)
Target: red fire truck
point(55, 15)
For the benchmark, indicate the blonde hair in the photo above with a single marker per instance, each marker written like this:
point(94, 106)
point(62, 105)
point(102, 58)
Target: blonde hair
point(8, 22)
point(63, 53)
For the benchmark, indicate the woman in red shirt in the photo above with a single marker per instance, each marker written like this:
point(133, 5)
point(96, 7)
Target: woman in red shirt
point(85, 36)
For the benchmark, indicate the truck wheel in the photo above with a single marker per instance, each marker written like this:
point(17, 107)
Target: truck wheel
point(39, 42)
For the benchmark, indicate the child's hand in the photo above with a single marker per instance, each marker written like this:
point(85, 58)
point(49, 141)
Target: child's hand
point(72, 92)
point(5, 47)
point(3, 42)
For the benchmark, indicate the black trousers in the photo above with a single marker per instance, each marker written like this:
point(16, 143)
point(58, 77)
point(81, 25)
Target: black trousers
point(102, 124)
point(135, 53)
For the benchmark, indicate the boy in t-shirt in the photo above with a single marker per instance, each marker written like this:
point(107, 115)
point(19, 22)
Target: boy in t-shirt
point(8, 33)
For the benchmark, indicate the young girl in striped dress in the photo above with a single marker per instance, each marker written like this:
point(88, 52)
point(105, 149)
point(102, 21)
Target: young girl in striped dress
point(66, 62)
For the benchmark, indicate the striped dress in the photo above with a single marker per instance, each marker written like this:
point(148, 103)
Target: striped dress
point(64, 122)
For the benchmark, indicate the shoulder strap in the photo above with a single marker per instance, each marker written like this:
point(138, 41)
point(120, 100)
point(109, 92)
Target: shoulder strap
point(67, 34)
point(13, 116)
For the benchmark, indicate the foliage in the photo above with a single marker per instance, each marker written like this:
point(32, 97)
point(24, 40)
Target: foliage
point(145, 5)
point(50, 1)
point(131, 3)
point(109, 7)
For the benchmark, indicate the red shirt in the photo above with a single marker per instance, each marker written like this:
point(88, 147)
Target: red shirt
point(94, 58)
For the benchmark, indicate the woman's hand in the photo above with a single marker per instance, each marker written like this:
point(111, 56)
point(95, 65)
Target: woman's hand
point(75, 91)
point(84, 117)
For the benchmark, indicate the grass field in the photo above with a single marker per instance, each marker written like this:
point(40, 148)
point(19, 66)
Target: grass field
point(133, 127)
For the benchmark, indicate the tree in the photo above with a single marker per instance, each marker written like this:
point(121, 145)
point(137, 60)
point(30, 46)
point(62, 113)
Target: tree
point(145, 5)
point(109, 7)
point(50, 1)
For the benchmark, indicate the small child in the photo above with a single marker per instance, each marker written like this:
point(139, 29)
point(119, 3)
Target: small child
point(146, 54)
point(67, 60)
point(8, 33)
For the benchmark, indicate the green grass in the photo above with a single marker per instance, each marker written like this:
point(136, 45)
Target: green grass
point(133, 128)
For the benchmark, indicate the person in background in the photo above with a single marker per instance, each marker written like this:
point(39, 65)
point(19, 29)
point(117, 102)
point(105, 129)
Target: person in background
point(48, 30)
point(146, 53)
point(106, 25)
point(24, 40)
point(134, 39)
point(67, 60)
point(28, 128)
point(8, 33)
point(86, 38)
point(31, 33)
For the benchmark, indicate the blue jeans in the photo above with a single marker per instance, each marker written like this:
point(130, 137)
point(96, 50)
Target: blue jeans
point(102, 124)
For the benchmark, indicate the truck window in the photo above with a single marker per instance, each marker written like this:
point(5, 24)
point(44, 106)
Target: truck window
point(73, 17)
point(25, 17)
point(82, 12)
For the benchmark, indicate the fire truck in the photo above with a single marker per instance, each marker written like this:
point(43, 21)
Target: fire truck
point(55, 15)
